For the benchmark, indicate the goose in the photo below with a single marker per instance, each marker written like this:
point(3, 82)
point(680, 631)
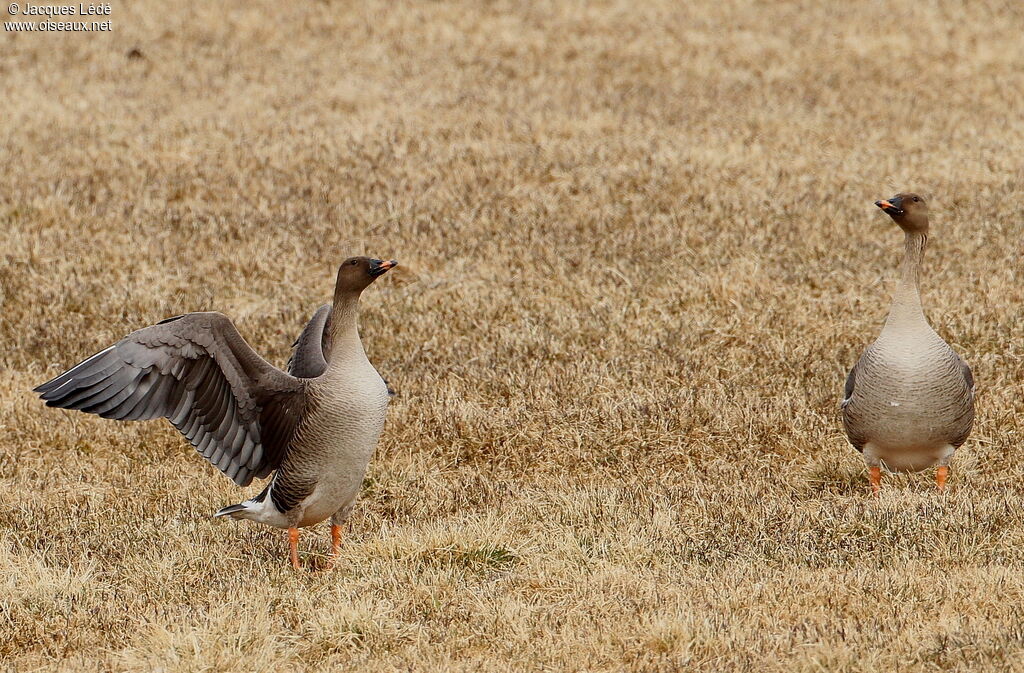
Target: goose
point(315, 428)
point(908, 403)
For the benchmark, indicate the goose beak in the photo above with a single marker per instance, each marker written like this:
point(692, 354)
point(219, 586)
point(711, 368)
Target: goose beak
point(379, 267)
point(891, 207)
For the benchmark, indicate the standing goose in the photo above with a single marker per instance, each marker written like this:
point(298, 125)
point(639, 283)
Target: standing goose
point(245, 416)
point(909, 400)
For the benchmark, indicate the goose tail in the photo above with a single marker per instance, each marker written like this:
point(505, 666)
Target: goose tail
point(239, 511)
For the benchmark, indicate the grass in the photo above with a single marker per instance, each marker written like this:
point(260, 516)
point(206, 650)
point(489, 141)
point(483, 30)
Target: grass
point(639, 254)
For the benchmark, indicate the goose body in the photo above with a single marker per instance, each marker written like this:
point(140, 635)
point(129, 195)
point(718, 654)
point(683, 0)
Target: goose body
point(315, 427)
point(912, 406)
point(324, 469)
point(909, 400)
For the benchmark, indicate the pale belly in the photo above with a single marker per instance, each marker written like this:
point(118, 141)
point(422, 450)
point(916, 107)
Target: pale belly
point(906, 409)
point(336, 491)
point(343, 436)
point(907, 459)
point(904, 426)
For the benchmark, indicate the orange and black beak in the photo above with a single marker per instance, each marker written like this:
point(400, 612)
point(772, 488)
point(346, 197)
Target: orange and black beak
point(892, 207)
point(379, 267)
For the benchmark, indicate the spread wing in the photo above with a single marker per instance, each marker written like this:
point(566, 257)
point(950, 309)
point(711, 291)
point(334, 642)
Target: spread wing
point(239, 411)
point(311, 349)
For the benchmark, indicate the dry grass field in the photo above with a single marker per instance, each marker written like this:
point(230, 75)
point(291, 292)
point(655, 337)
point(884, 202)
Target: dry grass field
point(639, 254)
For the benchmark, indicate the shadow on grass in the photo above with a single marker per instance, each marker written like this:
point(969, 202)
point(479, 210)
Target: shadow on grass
point(832, 479)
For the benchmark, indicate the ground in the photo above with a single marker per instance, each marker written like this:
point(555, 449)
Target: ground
point(638, 256)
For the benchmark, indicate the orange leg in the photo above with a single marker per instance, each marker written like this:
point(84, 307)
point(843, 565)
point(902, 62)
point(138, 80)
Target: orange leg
point(335, 541)
point(940, 477)
point(293, 543)
point(875, 477)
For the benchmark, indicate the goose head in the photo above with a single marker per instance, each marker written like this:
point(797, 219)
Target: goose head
point(356, 273)
point(907, 210)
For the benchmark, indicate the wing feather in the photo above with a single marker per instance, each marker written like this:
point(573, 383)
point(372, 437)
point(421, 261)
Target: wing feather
point(312, 347)
point(158, 399)
point(183, 408)
point(218, 416)
point(239, 411)
point(73, 397)
point(86, 370)
point(104, 407)
point(850, 423)
point(125, 410)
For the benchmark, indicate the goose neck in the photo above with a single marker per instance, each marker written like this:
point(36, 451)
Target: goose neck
point(906, 304)
point(344, 327)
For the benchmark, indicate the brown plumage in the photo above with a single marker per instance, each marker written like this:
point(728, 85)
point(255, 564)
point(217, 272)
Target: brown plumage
point(244, 415)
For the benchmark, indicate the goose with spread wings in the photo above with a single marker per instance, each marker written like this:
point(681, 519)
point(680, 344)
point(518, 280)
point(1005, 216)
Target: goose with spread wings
point(314, 427)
